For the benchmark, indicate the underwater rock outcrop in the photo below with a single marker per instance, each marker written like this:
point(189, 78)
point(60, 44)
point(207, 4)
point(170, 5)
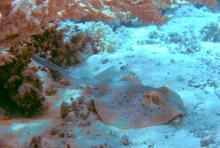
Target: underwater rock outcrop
point(50, 45)
point(19, 85)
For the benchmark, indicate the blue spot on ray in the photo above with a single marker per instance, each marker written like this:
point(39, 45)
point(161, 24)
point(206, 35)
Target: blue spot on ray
point(127, 101)
point(145, 113)
point(138, 110)
point(119, 108)
point(158, 107)
point(133, 105)
point(111, 111)
point(126, 97)
point(119, 103)
point(158, 113)
point(126, 108)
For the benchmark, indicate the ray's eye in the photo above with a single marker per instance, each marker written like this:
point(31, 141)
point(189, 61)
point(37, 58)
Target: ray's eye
point(145, 95)
point(154, 96)
point(156, 101)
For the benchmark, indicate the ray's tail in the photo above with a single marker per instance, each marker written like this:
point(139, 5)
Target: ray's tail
point(50, 65)
point(74, 76)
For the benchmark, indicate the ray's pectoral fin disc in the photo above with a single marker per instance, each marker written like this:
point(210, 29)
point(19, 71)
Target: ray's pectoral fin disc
point(138, 106)
point(174, 100)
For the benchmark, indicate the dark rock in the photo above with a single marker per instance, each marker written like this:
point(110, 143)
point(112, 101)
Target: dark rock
point(125, 140)
point(64, 82)
point(54, 131)
point(83, 114)
point(100, 146)
point(176, 122)
point(207, 141)
point(70, 135)
point(61, 134)
point(104, 61)
point(71, 117)
point(65, 109)
point(51, 89)
point(180, 78)
point(36, 142)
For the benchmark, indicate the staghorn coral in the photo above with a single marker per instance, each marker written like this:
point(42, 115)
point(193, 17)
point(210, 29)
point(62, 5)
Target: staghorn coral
point(20, 25)
point(20, 87)
point(26, 18)
point(145, 10)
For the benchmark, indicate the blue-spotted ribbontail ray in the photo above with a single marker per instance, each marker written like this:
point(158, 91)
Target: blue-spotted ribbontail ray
point(128, 103)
